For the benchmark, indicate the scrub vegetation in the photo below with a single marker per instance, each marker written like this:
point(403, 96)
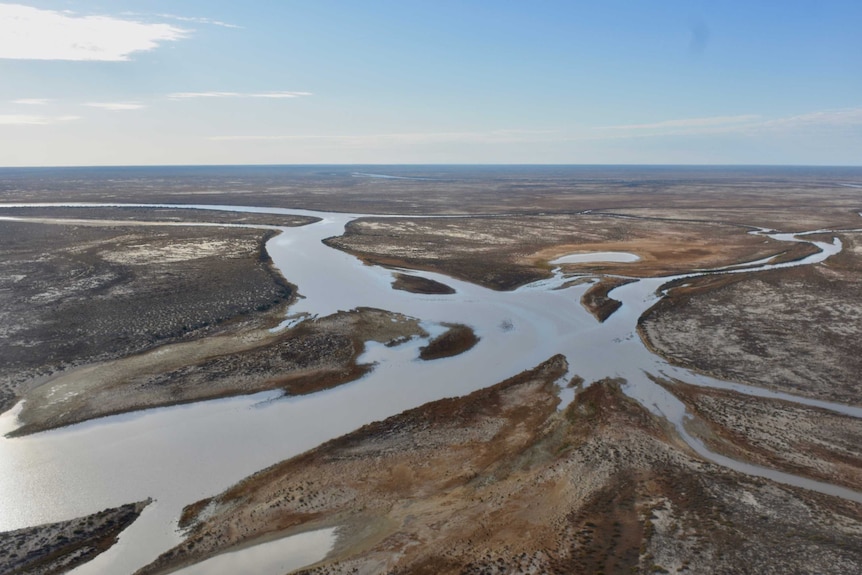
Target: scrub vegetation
point(101, 312)
point(454, 341)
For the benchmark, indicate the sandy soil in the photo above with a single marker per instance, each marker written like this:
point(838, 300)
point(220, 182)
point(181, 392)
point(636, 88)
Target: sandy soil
point(56, 548)
point(500, 481)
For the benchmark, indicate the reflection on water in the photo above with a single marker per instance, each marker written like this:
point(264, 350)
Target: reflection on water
point(620, 257)
point(280, 556)
point(181, 454)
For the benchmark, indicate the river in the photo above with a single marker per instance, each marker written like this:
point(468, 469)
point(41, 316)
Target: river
point(178, 455)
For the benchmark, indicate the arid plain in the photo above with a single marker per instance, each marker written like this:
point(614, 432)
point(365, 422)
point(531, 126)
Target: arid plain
point(109, 310)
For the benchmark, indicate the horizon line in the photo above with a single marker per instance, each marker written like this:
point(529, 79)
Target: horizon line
point(434, 164)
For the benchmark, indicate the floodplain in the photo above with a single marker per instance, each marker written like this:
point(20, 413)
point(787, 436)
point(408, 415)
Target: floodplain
point(538, 454)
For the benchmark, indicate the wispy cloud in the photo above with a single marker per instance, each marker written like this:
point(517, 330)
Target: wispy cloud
point(687, 123)
point(117, 106)
point(826, 118)
point(34, 120)
point(190, 95)
point(31, 101)
point(748, 124)
point(197, 20)
point(742, 125)
point(398, 138)
point(279, 95)
point(28, 33)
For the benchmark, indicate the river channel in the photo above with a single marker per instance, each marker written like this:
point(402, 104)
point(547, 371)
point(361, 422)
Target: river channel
point(178, 455)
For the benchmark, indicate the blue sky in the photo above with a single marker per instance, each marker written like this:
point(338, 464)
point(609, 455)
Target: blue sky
point(433, 81)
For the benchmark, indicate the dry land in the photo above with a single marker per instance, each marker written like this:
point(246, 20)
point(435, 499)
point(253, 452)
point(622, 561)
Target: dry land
point(117, 315)
point(423, 190)
point(57, 548)
point(130, 215)
point(598, 302)
point(795, 330)
point(815, 211)
point(778, 434)
point(500, 481)
point(72, 295)
point(510, 251)
point(418, 284)
point(313, 356)
point(454, 341)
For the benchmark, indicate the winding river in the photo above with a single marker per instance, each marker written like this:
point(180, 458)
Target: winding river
point(181, 454)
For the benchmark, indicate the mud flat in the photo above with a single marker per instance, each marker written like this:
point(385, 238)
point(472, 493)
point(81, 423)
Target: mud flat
point(500, 481)
point(795, 330)
point(60, 547)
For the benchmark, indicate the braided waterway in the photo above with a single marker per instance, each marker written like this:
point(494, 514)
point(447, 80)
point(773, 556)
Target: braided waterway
point(178, 455)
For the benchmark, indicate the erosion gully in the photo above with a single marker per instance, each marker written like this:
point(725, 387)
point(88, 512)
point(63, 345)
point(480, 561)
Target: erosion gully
point(178, 455)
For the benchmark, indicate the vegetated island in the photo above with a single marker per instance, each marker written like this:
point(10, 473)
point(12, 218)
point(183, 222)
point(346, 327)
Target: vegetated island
point(597, 301)
point(169, 314)
point(315, 355)
point(418, 284)
point(457, 339)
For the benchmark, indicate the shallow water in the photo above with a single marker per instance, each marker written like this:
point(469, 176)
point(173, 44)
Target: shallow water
point(591, 257)
point(178, 455)
point(279, 556)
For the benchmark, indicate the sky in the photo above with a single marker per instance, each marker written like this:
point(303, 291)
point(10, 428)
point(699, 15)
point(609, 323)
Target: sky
point(123, 82)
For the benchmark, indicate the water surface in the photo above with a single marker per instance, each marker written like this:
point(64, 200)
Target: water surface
point(181, 454)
